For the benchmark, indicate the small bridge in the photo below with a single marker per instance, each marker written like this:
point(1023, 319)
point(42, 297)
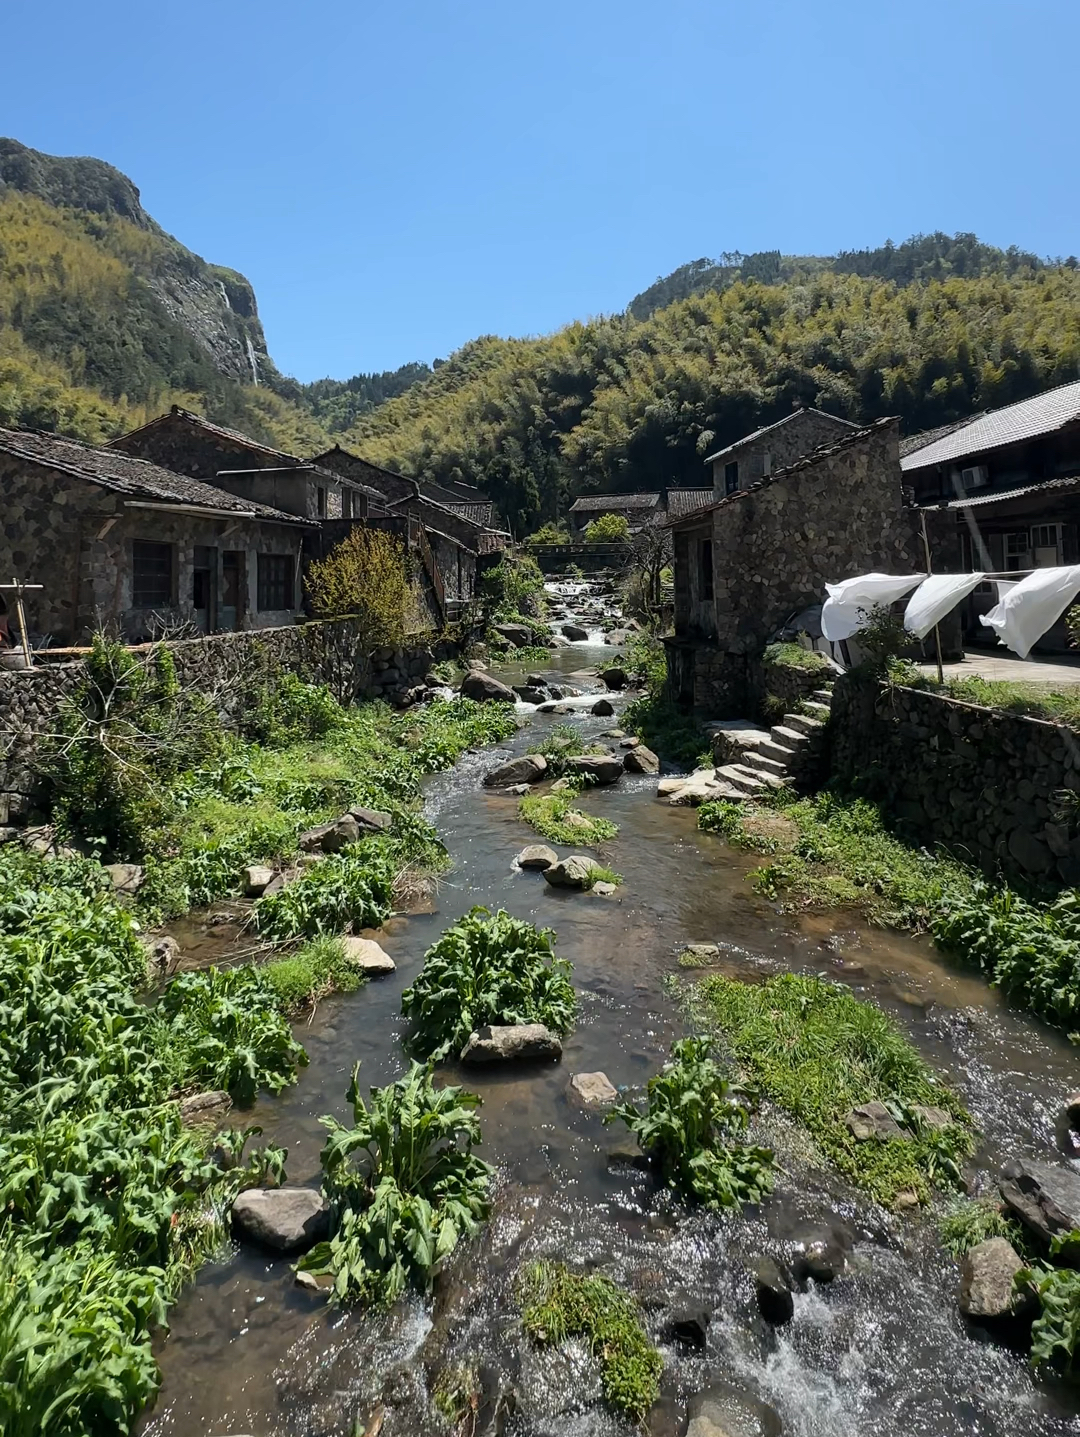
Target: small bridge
point(588, 557)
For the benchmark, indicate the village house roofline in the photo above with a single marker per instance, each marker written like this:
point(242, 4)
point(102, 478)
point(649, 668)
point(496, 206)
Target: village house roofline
point(768, 429)
point(176, 412)
point(308, 468)
point(608, 502)
point(1067, 484)
point(1026, 419)
point(685, 501)
point(137, 478)
point(805, 462)
point(911, 442)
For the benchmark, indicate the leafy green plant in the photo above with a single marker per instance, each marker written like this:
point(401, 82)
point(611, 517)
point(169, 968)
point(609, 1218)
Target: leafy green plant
point(558, 1304)
point(1055, 1333)
point(554, 816)
point(487, 968)
point(599, 874)
point(794, 656)
point(404, 1187)
point(286, 711)
point(558, 744)
point(318, 968)
point(692, 1128)
point(512, 589)
point(350, 889)
point(666, 729)
point(818, 1052)
point(608, 529)
point(968, 1221)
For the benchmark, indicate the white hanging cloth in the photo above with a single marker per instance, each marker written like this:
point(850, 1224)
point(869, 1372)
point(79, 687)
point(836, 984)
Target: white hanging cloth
point(845, 610)
point(1032, 606)
point(934, 598)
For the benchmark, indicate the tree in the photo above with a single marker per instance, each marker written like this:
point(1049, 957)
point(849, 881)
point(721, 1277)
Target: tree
point(366, 576)
point(608, 529)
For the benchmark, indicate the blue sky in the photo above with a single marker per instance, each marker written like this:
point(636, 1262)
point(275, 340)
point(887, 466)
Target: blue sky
point(398, 178)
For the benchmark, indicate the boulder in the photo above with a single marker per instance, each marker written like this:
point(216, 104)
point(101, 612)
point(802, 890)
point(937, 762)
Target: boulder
point(536, 681)
point(551, 707)
point(873, 1122)
point(558, 641)
point(517, 635)
point(529, 695)
point(556, 691)
point(366, 954)
point(126, 878)
point(519, 1040)
point(937, 1119)
point(574, 632)
point(600, 768)
point(1070, 1111)
point(723, 1411)
point(689, 790)
point(774, 1291)
point(285, 1219)
point(688, 1326)
point(603, 889)
point(592, 1090)
point(631, 742)
point(257, 879)
point(330, 837)
point(821, 1259)
point(536, 855)
point(641, 760)
point(201, 1108)
point(162, 954)
point(602, 708)
point(986, 1288)
point(1045, 1198)
point(703, 952)
point(529, 768)
point(372, 820)
point(484, 689)
point(618, 637)
point(614, 677)
point(280, 881)
point(573, 872)
point(519, 790)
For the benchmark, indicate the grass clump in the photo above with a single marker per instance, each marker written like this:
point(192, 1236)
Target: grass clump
point(836, 852)
point(1035, 700)
point(818, 1052)
point(350, 889)
point(691, 1131)
point(559, 1304)
point(554, 817)
point(488, 968)
point(560, 743)
point(404, 1187)
point(969, 1221)
point(667, 730)
point(301, 979)
point(600, 874)
point(794, 656)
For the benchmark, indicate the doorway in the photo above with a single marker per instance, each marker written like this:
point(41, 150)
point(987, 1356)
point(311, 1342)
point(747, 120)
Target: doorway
point(202, 588)
point(232, 589)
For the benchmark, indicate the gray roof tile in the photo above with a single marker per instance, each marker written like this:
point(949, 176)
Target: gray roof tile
point(1016, 422)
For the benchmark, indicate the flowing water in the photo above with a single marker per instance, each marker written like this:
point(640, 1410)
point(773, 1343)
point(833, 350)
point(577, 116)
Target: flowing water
point(881, 1350)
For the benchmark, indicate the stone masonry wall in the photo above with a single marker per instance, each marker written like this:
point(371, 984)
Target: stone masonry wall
point(224, 666)
point(783, 444)
point(993, 787)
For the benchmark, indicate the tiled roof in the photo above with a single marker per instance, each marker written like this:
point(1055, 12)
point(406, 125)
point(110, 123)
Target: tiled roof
point(123, 474)
point(685, 501)
point(911, 442)
point(475, 513)
point(176, 412)
point(612, 503)
point(1016, 422)
point(805, 462)
point(768, 428)
point(1069, 484)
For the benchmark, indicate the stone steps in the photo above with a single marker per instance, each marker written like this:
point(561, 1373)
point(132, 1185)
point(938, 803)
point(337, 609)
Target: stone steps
point(791, 738)
point(761, 761)
point(817, 710)
point(822, 696)
point(783, 753)
point(744, 779)
point(804, 724)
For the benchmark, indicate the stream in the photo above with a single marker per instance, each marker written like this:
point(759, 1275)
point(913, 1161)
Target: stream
point(880, 1350)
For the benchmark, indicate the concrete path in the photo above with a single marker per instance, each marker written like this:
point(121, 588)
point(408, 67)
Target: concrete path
point(1060, 671)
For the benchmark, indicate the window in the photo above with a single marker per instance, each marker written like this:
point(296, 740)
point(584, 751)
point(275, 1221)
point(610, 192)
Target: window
point(275, 581)
point(152, 575)
point(320, 501)
point(706, 569)
point(1017, 550)
point(731, 477)
point(346, 503)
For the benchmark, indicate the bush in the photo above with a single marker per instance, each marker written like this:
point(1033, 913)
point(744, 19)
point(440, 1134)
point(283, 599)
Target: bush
point(667, 730)
point(559, 1304)
point(549, 534)
point(366, 575)
point(512, 590)
point(608, 529)
point(350, 889)
point(818, 1052)
point(287, 711)
point(487, 968)
point(691, 1131)
point(554, 817)
point(419, 1189)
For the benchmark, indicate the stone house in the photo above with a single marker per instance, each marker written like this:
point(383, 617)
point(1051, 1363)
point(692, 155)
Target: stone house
point(749, 561)
point(638, 510)
point(121, 542)
point(1006, 487)
point(773, 447)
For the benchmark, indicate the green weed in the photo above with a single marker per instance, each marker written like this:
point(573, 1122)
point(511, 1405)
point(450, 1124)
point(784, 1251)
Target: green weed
point(352, 889)
point(300, 980)
point(968, 1221)
point(554, 816)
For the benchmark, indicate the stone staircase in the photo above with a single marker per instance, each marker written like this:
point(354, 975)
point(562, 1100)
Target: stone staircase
point(784, 758)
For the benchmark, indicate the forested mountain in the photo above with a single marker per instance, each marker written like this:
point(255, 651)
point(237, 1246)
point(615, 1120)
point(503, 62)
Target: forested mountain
point(105, 319)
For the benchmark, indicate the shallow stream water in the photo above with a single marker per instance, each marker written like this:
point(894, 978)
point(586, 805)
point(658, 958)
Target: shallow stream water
point(881, 1350)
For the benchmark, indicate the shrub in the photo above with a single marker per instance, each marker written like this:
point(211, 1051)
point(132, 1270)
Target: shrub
point(367, 576)
point(969, 1221)
point(549, 534)
point(667, 730)
point(608, 529)
point(487, 968)
point(554, 816)
point(286, 711)
point(418, 1190)
point(691, 1131)
point(350, 889)
point(559, 1304)
point(818, 1052)
point(1055, 1333)
point(512, 590)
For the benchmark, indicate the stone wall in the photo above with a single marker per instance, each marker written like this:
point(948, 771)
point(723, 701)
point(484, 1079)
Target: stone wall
point(778, 688)
point(226, 667)
point(783, 443)
point(993, 787)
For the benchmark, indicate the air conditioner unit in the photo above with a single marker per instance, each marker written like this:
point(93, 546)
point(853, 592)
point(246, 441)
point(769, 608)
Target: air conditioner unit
point(976, 477)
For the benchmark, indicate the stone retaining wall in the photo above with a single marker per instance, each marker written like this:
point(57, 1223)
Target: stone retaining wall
point(996, 788)
point(778, 688)
point(224, 666)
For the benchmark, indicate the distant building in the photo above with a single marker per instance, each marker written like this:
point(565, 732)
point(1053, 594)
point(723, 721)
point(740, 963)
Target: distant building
point(774, 447)
point(120, 541)
point(638, 510)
